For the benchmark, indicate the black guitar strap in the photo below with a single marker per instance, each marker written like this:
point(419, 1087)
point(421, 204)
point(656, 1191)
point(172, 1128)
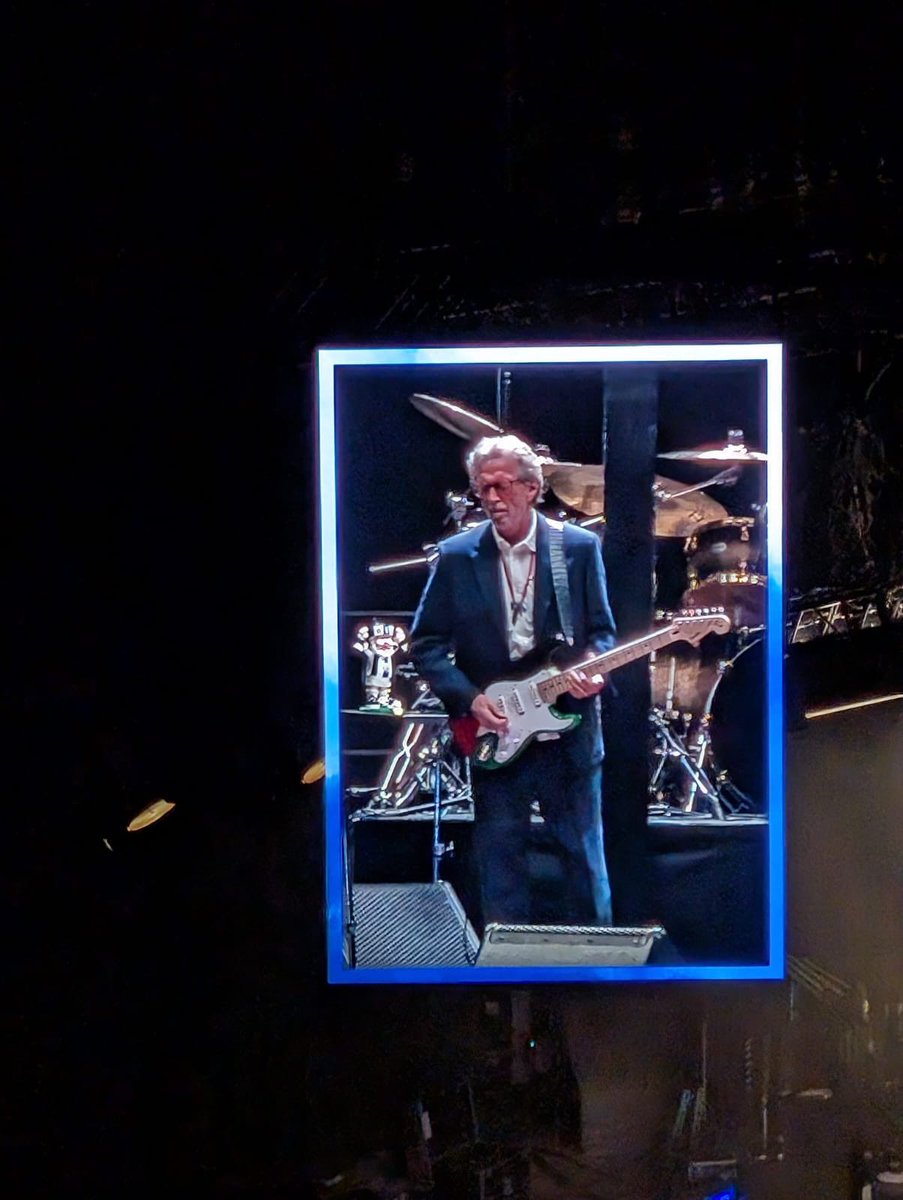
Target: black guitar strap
point(560, 580)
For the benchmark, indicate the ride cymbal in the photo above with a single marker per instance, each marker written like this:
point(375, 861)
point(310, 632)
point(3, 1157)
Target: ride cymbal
point(733, 451)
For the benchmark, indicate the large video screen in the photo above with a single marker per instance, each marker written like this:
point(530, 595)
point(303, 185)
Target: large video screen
point(552, 645)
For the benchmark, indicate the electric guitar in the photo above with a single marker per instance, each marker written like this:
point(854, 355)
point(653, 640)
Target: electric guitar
point(528, 702)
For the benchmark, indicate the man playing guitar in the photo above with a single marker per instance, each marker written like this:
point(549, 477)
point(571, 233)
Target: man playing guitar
point(489, 612)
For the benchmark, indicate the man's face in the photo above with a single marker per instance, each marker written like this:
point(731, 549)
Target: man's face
point(506, 498)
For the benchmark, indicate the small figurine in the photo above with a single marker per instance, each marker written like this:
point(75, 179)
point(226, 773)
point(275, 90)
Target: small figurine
point(379, 642)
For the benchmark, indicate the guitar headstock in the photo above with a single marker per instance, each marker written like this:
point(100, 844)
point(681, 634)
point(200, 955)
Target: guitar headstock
point(693, 624)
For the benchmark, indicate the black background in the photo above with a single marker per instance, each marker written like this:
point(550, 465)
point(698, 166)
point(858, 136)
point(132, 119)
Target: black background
point(202, 194)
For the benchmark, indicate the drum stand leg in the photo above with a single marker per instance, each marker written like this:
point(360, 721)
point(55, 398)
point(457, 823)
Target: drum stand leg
point(350, 945)
point(712, 795)
point(675, 748)
point(463, 789)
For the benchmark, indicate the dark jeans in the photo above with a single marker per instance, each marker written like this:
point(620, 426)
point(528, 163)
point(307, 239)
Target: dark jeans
point(570, 801)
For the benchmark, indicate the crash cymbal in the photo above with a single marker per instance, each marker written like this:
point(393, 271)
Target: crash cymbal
point(578, 485)
point(455, 417)
point(315, 771)
point(679, 511)
point(153, 812)
point(733, 451)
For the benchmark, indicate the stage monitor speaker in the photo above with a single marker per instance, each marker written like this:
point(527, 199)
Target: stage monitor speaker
point(567, 945)
point(411, 925)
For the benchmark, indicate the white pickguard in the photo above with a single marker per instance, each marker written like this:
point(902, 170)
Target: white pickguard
point(528, 715)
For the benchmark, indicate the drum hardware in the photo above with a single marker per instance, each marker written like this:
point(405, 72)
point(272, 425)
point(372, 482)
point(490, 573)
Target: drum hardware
point(724, 479)
point(401, 564)
point(423, 740)
point(741, 594)
point(420, 763)
point(458, 506)
point(670, 746)
point(689, 739)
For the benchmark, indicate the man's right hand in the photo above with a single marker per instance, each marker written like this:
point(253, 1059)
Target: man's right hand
point(488, 714)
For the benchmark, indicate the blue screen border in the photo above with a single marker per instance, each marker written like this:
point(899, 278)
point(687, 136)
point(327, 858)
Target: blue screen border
point(328, 360)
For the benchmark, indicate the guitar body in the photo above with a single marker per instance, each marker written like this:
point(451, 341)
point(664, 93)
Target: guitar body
point(527, 702)
point(528, 715)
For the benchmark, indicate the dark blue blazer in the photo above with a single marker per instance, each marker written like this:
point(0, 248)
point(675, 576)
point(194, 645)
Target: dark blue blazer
point(458, 639)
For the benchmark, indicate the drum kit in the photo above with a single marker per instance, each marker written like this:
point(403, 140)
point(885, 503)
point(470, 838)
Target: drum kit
point(706, 717)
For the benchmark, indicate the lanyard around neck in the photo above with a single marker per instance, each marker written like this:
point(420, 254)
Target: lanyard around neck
point(518, 606)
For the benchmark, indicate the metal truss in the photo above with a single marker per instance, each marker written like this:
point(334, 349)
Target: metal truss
point(846, 614)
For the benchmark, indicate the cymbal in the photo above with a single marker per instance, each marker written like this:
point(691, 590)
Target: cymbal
point(733, 452)
point(578, 485)
point(315, 771)
point(682, 515)
point(455, 417)
point(678, 512)
point(148, 815)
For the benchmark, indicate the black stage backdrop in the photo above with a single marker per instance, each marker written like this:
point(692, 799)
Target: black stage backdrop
point(203, 196)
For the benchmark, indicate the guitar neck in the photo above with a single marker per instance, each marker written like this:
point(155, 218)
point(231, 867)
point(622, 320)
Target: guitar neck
point(619, 656)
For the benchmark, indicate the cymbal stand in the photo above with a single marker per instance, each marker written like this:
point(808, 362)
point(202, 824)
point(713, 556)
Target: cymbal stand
point(440, 766)
point(349, 926)
point(729, 794)
point(725, 478)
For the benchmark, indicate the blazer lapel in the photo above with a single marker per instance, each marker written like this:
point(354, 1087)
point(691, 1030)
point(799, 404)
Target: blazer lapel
point(486, 567)
point(542, 592)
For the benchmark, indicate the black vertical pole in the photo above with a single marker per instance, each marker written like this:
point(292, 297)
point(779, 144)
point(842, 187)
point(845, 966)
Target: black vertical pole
point(502, 397)
point(630, 430)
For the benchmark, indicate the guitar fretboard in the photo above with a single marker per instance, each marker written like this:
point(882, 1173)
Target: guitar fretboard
point(619, 656)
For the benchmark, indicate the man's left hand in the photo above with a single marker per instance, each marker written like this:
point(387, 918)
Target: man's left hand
point(583, 686)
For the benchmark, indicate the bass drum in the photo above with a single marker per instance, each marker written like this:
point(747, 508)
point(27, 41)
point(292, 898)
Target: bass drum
point(736, 705)
point(681, 680)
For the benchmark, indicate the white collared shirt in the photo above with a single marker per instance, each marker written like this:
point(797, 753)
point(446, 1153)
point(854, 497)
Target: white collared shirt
point(519, 560)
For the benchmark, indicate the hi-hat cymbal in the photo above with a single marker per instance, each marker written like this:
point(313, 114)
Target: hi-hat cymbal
point(455, 417)
point(679, 511)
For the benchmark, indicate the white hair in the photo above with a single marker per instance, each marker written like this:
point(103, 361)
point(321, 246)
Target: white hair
point(529, 465)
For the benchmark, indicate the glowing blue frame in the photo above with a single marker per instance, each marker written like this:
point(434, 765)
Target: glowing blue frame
point(770, 354)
